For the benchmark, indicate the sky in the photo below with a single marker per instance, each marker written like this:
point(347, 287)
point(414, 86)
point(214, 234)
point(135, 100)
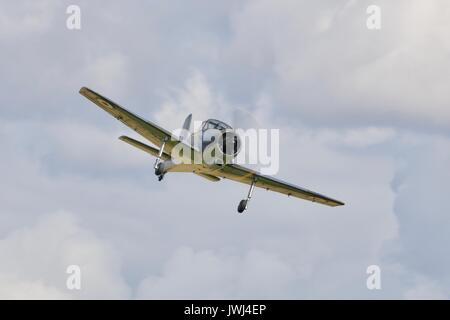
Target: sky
point(364, 117)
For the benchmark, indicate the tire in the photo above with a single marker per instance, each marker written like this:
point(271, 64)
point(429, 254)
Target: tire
point(158, 170)
point(242, 205)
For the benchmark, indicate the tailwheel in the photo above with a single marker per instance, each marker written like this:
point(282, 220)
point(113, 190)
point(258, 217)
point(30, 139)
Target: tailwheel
point(242, 206)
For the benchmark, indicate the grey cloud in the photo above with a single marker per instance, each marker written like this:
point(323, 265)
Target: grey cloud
point(346, 71)
point(35, 259)
point(341, 96)
point(211, 275)
point(422, 211)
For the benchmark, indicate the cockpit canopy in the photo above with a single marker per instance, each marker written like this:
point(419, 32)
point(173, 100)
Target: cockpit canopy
point(214, 124)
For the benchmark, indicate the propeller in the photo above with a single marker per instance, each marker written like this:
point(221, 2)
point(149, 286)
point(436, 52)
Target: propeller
point(244, 119)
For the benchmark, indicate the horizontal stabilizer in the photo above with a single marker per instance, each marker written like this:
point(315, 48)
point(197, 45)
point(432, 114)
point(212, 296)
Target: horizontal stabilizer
point(144, 147)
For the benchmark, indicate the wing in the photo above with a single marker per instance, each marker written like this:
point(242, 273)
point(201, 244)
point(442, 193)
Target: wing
point(145, 128)
point(244, 175)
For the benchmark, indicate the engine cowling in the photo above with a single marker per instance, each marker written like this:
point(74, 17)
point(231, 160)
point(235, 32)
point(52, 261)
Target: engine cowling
point(220, 146)
point(230, 143)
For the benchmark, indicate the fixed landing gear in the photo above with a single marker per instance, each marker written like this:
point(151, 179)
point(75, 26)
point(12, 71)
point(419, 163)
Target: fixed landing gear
point(158, 170)
point(244, 203)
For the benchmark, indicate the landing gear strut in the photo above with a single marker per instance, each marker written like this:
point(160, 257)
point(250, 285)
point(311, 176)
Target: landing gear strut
point(157, 166)
point(244, 203)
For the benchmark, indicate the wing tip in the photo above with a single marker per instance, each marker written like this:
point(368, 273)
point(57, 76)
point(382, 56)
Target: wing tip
point(338, 203)
point(86, 92)
point(83, 90)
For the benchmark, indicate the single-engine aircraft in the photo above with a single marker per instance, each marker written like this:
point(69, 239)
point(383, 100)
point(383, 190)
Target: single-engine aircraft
point(166, 141)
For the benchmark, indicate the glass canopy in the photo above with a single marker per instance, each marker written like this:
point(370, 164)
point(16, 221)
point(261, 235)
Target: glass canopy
point(215, 124)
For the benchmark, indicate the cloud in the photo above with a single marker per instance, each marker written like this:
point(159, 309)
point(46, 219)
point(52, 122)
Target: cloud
point(420, 185)
point(355, 109)
point(195, 97)
point(109, 73)
point(28, 17)
point(357, 137)
point(35, 259)
point(341, 71)
point(425, 289)
point(210, 275)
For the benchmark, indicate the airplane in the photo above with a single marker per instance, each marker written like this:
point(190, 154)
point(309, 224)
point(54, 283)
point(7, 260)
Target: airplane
point(165, 162)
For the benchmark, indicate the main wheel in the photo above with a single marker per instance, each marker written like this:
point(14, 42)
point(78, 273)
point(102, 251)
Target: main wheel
point(158, 170)
point(242, 205)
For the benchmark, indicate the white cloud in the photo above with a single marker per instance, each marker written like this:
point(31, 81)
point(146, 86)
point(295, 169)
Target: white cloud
point(20, 20)
point(108, 73)
point(347, 71)
point(357, 137)
point(196, 97)
point(340, 94)
point(421, 183)
point(425, 289)
point(210, 275)
point(35, 259)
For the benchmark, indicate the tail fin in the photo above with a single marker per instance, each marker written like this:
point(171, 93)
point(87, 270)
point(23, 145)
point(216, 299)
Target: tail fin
point(186, 127)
